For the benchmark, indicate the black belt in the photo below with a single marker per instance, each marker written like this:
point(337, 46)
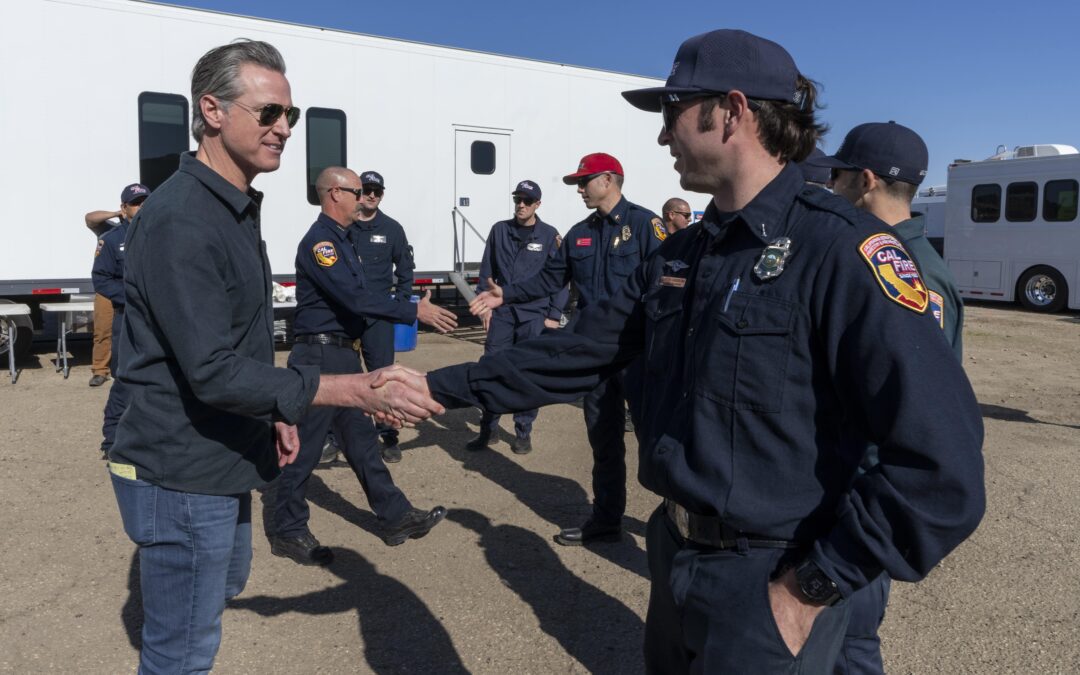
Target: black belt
point(714, 532)
point(327, 339)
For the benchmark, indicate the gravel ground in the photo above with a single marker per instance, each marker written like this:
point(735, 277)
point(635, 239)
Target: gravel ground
point(488, 591)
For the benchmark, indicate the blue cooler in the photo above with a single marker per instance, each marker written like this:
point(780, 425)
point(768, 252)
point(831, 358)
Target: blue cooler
point(405, 334)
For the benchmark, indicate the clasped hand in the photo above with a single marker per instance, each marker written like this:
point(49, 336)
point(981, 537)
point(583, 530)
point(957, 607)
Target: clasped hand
point(400, 396)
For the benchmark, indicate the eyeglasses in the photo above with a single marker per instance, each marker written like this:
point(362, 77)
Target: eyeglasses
point(584, 180)
point(377, 191)
point(527, 201)
point(269, 114)
point(670, 113)
point(684, 214)
point(355, 191)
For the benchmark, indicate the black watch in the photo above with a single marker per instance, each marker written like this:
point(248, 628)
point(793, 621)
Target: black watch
point(815, 585)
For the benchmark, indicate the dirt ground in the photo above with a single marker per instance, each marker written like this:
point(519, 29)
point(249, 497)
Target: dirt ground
point(488, 591)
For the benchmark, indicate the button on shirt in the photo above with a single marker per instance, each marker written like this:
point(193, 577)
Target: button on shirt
point(332, 294)
point(514, 253)
point(199, 341)
point(763, 393)
point(108, 271)
point(385, 254)
point(597, 255)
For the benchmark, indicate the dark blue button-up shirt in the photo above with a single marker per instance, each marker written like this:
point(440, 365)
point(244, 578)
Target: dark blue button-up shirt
point(198, 341)
point(514, 253)
point(332, 295)
point(597, 255)
point(108, 271)
point(385, 254)
point(762, 394)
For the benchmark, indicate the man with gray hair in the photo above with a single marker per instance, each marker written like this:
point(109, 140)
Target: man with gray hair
point(211, 418)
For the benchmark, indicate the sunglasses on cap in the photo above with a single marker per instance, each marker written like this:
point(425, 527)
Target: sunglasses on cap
point(670, 110)
point(372, 190)
point(269, 114)
point(527, 201)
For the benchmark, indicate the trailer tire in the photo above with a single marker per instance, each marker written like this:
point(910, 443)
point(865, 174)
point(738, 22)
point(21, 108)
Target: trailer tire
point(1042, 289)
point(24, 333)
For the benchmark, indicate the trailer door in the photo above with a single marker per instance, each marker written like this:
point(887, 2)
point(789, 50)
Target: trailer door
point(481, 187)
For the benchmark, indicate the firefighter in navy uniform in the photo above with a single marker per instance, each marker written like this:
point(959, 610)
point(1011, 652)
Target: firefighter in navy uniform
point(333, 305)
point(598, 254)
point(781, 336)
point(387, 259)
point(108, 277)
point(516, 250)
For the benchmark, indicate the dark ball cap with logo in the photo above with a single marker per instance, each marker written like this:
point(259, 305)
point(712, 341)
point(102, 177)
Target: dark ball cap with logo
point(134, 193)
point(372, 178)
point(813, 173)
point(721, 61)
point(888, 149)
point(590, 165)
point(528, 189)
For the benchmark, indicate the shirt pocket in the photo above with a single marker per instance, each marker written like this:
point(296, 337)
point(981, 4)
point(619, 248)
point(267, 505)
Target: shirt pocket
point(625, 259)
point(744, 365)
point(663, 339)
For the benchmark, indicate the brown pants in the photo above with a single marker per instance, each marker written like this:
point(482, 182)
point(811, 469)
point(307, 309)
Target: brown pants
point(103, 316)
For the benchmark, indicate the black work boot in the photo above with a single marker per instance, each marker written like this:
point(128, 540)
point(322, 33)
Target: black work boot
point(481, 441)
point(521, 445)
point(413, 525)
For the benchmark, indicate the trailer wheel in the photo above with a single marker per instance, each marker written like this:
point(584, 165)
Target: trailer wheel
point(24, 332)
point(1042, 289)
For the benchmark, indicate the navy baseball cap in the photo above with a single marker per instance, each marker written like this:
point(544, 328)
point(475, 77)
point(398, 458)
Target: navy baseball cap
point(136, 192)
point(372, 178)
point(813, 173)
point(888, 149)
point(720, 61)
point(527, 188)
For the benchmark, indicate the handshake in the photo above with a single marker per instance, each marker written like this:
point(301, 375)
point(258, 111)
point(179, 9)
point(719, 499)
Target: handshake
point(394, 395)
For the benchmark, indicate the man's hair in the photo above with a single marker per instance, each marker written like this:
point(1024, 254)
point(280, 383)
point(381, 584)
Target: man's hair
point(787, 130)
point(899, 190)
point(672, 204)
point(617, 179)
point(218, 74)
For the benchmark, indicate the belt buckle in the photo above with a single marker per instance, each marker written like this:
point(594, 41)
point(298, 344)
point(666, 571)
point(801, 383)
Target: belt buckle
point(356, 345)
point(681, 518)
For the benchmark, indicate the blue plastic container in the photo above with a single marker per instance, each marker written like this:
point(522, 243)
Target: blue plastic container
point(405, 334)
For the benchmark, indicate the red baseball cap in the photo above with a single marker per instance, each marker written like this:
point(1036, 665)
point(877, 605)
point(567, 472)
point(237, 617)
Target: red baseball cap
point(590, 165)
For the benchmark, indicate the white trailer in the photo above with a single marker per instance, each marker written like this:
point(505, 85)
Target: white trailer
point(1011, 228)
point(96, 96)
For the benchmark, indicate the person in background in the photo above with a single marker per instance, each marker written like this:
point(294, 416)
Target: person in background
point(676, 214)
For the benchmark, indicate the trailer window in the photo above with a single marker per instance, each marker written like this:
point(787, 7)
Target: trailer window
point(985, 203)
point(163, 135)
point(1059, 201)
point(325, 145)
point(1021, 200)
point(483, 157)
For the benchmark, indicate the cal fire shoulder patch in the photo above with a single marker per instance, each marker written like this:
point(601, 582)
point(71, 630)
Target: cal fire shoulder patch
point(325, 253)
point(658, 229)
point(558, 240)
point(895, 271)
point(100, 244)
point(937, 306)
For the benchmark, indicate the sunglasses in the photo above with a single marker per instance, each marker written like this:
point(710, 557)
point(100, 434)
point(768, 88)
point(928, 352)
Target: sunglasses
point(585, 180)
point(670, 113)
point(269, 114)
point(355, 191)
point(527, 201)
point(377, 191)
point(684, 214)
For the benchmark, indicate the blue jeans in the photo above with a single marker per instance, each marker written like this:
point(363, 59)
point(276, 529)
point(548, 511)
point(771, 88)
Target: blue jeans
point(194, 554)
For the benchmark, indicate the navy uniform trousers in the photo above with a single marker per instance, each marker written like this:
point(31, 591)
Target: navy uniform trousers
point(119, 394)
point(503, 331)
point(699, 594)
point(355, 433)
point(377, 348)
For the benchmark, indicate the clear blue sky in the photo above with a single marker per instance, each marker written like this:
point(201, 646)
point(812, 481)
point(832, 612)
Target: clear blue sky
point(966, 75)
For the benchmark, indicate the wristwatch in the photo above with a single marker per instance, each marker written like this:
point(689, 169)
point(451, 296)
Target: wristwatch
point(815, 585)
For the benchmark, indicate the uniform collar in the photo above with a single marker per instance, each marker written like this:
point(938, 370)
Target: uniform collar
point(236, 200)
point(769, 207)
point(330, 224)
point(369, 224)
point(912, 227)
point(617, 216)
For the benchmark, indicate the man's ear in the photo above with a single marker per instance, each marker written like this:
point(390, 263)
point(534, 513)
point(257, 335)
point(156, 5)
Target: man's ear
point(212, 111)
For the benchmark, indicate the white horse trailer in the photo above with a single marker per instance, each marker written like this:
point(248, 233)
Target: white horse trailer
point(96, 96)
point(1011, 229)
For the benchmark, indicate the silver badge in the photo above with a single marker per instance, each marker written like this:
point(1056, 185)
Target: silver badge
point(626, 233)
point(771, 263)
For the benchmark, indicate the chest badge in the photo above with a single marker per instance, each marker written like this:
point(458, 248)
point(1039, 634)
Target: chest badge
point(771, 263)
point(626, 233)
point(535, 247)
point(378, 239)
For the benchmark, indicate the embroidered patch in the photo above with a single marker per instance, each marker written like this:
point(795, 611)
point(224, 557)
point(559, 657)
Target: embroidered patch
point(677, 282)
point(675, 265)
point(325, 253)
point(937, 306)
point(895, 271)
point(584, 241)
point(558, 240)
point(97, 251)
point(378, 239)
point(535, 246)
point(658, 229)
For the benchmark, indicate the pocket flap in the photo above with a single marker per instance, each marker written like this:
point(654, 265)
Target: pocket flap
point(749, 314)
